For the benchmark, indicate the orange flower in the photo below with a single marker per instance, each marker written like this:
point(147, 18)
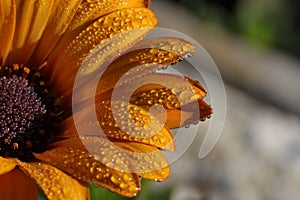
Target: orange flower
point(43, 45)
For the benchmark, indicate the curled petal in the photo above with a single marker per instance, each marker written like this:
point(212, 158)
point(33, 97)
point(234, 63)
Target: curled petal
point(180, 96)
point(171, 91)
point(15, 185)
point(189, 114)
point(55, 183)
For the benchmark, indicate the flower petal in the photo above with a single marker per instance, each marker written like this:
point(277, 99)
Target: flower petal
point(184, 115)
point(147, 3)
point(62, 13)
point(15, 185)
point(120, 121)
point(6, 165)
point(180, 96)
point(148, 55)
point(7, 27)
point(79, 163)
point(169, 90)
point(145, 160)
point(149, 163)
point(188, 114)
point(91, 10)
point(32, 17)
point(55, 183)
point(97, 45)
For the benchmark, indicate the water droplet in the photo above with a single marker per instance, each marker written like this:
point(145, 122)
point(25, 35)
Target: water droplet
point(189, 55)
point(164, 68)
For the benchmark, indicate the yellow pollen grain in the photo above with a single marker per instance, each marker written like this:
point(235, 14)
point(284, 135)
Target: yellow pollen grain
point(26, 70)
point(15, 145)
point(16, 67)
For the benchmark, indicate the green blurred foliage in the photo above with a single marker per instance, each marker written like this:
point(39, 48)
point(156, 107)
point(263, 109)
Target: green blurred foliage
point(145, 194)
point(272, 23)
point(41, 195)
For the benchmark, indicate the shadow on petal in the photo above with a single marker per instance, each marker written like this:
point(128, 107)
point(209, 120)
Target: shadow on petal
point(15, 185)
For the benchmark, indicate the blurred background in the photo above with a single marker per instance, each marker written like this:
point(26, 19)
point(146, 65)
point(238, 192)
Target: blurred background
point(255, 44)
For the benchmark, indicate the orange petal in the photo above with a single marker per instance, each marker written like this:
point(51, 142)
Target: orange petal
point(91, 10)
point(180, 97)
point(89, 126)
point(103, 149)
point(134, 67)
point(171, 91)
point(124, 122)
point(134, 157)
point(145, 160)
point(55, 183)
point(147, 3)
point(15, 185)
point(149, 55)
point(6, 165)
point(189, 114)
point(97, 45)
point(62, 13)
point(7, 27)
point(32, 17)
point(79, 163)
point(149, 162)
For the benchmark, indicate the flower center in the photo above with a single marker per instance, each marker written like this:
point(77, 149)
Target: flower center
point(24, 112)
